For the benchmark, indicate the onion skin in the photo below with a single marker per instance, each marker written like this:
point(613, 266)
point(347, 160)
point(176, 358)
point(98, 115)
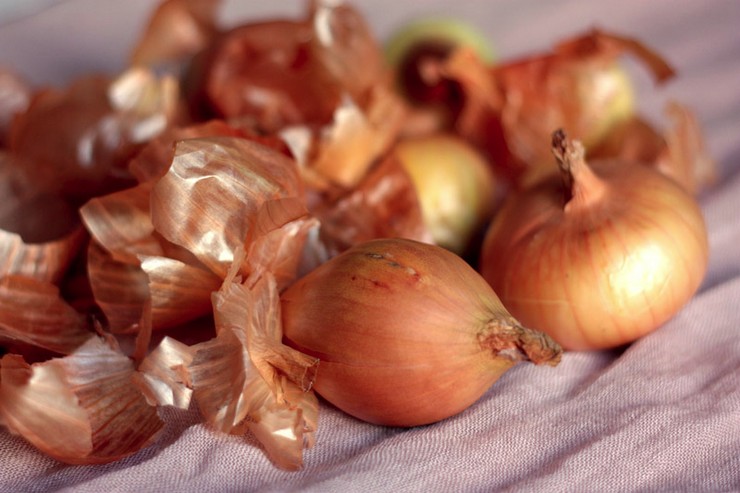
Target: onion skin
point(407, 333)
point(627, 250)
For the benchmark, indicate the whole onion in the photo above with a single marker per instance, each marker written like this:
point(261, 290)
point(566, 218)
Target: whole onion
point(407, 333)
point(455, 185)
point(600, 257)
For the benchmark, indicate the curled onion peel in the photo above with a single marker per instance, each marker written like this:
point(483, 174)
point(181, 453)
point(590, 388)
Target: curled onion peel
point(33, 312)
point(80, 409)
point(600, 257)
point(246, 379)
point(678, 151)
point(176, 29)
point(207, 199)
point(407, 333)
point(385, 204)
point(510, 108)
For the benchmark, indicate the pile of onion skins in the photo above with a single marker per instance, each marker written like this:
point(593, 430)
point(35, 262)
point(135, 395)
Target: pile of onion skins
point(248, 214)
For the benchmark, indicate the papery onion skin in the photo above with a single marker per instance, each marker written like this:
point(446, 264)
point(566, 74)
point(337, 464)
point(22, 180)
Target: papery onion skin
point(407, 333)
point(614, 263)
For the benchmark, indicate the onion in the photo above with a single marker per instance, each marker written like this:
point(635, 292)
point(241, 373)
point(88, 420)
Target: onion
point(455, 185)
point(417, 49)
point(621, 256)
point(407, 333)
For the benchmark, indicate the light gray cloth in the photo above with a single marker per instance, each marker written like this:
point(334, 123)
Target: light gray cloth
point(663, 415)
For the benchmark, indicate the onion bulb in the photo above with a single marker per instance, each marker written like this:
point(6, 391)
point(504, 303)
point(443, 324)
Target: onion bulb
point(407, 333)
point(455, 186)
point(600, 256)
point(416, 50)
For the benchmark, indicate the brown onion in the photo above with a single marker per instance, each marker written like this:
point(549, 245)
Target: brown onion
point(407, 333)
point(599, 258)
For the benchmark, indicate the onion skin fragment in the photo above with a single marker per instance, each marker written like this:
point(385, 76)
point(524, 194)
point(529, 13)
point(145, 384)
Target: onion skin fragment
point(32, 312)
point(247, 379)
point(601, 262)
point(384, 205)
point(176, 30)
point(407, 333)
point(206, 201)
point(80, 409)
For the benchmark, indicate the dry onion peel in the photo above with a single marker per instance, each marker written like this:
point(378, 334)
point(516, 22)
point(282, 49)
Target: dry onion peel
point(407, 333)
point(78, 140)
point(599, 258)
point(177, 29)
point(170, 287)
point(679, 151)
point(120, 223)
point(46, 261)
point(162, 375)
point(80, 409)
point(155, 157)
point(579, 86)
point(15, 96)
point(687, 157)
point(32, 312)
point(246, 378)
point(178, 292)
point(384, 204)
point(40, 233)
point(356, 138)
point(345, 47)
point(205, 201)
point(280, 241)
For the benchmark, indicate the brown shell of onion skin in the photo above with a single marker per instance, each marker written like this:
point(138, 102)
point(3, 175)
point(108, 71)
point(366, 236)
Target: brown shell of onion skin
point(264, 71)
point(603, 274)
point(406, 333)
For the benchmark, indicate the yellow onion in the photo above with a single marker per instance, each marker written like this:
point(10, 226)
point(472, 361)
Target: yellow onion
point(599, 258)
point(407, 333)
point(417, 50)
point(455, 185)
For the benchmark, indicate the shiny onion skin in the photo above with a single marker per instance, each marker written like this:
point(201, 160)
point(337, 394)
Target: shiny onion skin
point(601, 262)
point(407, 333)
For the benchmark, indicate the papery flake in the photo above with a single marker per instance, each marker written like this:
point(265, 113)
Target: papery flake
point(687, 156)
point(571, 87)
point(383, 205)
point(33, 312)
point(156, 157)
point(40, 233)
point(179, 292)
point(15, 95)
point(176, 29)
point(79, 409)
point(278, 239)
point(207, 200)
point(78, 140)
point(357, 138)
point(247, 379)
point(162, 375)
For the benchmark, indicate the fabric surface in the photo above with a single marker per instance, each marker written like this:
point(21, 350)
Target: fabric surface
point(662, 415)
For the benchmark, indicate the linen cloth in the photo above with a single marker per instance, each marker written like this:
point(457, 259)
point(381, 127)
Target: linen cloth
point(661, 415)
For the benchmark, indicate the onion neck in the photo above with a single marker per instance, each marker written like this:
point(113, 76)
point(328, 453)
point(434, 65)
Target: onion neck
point(581, 185)
point(505, 338)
